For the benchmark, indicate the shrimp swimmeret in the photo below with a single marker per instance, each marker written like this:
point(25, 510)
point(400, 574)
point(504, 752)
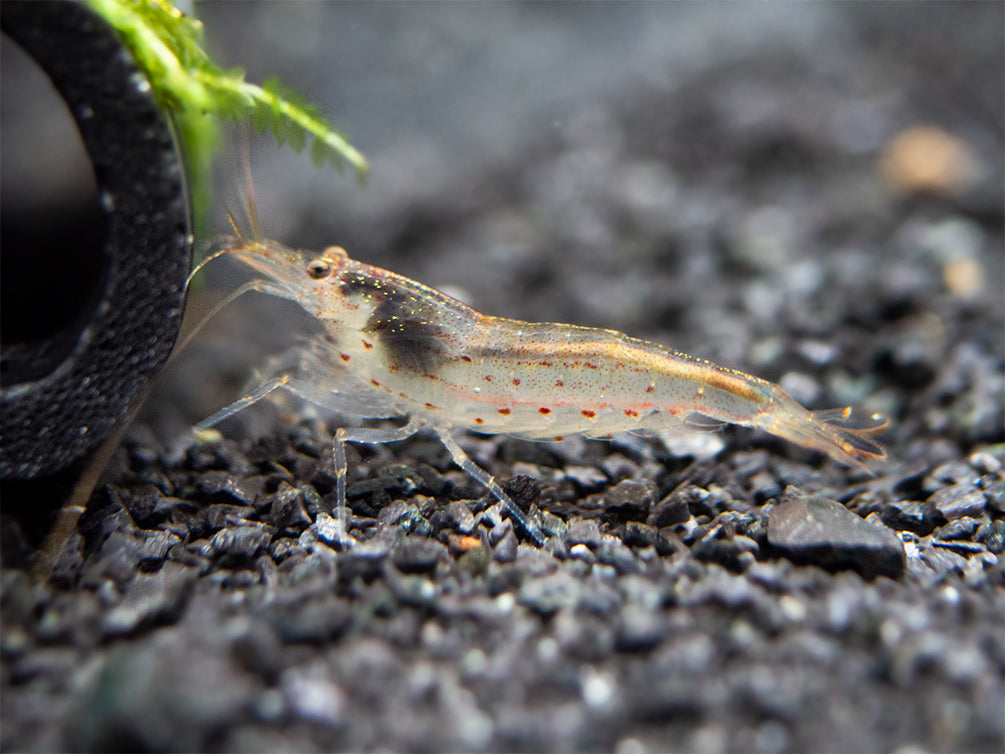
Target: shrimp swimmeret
point(391, 347)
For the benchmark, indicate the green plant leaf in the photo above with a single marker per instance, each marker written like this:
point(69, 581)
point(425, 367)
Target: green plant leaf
point(166, 44)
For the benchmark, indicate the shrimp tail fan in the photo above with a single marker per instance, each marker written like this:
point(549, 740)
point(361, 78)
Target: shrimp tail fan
point(846, 435)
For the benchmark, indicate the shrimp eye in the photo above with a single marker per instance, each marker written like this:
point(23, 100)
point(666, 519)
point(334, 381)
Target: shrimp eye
point(318, 269)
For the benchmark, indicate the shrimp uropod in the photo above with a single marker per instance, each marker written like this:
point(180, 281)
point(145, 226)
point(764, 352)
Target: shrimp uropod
point(390, 347)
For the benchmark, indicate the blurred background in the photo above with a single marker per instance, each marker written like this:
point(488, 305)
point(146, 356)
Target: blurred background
point(726, 179)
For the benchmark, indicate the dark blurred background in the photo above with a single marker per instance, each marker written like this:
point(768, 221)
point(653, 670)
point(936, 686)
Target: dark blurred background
point(709, 176)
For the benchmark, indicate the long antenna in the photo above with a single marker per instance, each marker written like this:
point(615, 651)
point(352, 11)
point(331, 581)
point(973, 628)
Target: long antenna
point(249, 183)
point(252, 285)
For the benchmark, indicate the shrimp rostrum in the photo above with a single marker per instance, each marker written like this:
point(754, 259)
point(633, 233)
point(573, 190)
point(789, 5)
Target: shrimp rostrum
point(390, 347)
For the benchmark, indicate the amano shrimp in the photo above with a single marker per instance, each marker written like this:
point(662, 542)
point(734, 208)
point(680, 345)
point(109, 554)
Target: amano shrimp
point(390, 347)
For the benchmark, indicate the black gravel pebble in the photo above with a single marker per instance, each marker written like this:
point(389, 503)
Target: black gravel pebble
point(909, 515)
point(814, 529)
point(957, 501)
point(240, 544)
point(583, 531)
point(158, 598)
point(310, 619)
point(505, 550)
point(417, 554)
point(671, 510)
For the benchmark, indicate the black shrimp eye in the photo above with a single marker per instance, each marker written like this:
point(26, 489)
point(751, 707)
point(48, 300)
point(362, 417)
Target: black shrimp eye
point(319, 268)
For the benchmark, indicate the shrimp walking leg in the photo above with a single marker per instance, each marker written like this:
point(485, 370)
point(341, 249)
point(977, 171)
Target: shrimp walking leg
point(375, 436)
point(461, 459)
point(240, 404)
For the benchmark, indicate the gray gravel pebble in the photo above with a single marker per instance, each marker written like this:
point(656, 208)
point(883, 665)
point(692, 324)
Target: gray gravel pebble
point(817, 530)
point(957, 501)
point(150, 600)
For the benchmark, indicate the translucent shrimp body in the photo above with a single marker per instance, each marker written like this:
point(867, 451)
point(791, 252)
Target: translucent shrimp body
point(392, 347)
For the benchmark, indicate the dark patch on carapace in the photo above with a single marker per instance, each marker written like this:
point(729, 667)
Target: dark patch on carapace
point(353, 282)
point(410, 340)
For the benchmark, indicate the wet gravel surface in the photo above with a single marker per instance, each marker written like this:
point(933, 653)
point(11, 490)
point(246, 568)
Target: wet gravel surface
point(722, 592)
